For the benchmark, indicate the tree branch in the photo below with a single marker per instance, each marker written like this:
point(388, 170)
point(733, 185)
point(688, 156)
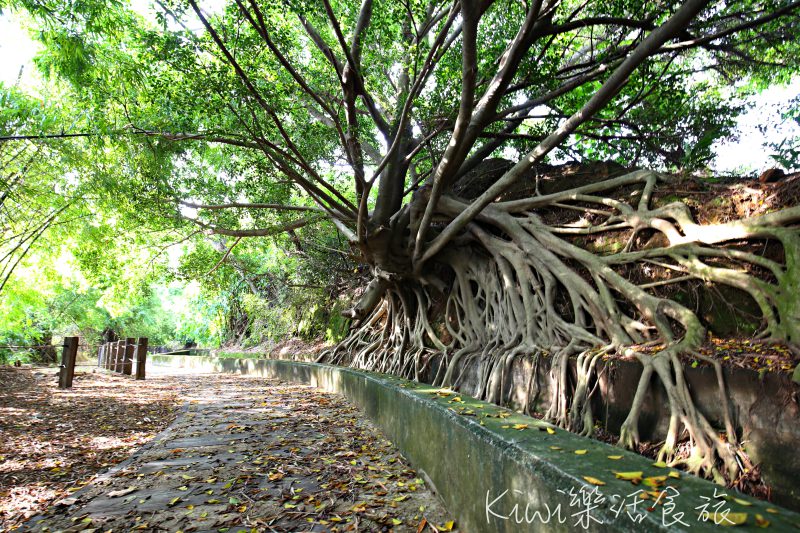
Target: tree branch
point(607, 91)
point(224, 256)
point(261, 232)
point(244, 205)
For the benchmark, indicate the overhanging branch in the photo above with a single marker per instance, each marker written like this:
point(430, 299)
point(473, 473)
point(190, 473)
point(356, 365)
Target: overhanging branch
point(260, 232)
point(245, 205)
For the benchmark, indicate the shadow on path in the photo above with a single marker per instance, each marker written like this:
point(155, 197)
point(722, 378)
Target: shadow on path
point(255, 454)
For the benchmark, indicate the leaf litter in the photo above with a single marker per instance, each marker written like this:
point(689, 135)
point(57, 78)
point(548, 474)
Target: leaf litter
point(251, 454)
point(54, 441)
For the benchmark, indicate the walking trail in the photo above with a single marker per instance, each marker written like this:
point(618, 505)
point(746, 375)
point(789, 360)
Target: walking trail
point(251, 454)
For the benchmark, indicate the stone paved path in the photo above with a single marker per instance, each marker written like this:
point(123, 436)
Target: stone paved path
point(250, 454)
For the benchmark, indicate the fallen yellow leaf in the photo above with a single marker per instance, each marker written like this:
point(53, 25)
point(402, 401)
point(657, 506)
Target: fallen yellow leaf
point(594, 480)
point(730, 519)
point(580, 452)
point(633, 477)
point(655, 481)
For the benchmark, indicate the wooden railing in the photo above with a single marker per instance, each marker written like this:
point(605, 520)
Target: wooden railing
point(165, 350)
point(123, 355)
point(126, 357)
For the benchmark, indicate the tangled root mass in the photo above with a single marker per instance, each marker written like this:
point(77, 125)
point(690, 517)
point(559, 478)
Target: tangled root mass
point(520, 284)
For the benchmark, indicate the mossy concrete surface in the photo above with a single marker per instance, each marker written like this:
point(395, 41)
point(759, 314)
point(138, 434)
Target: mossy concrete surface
point(497, 470)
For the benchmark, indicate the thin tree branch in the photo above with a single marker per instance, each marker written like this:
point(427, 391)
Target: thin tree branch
point(245, 205)
point(259, 232)
point(224, 256)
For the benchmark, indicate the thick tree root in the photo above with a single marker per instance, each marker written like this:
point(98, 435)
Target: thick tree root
point(522, 287)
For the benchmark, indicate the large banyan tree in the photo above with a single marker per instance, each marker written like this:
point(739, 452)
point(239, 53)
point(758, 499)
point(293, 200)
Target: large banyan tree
point(420, 129)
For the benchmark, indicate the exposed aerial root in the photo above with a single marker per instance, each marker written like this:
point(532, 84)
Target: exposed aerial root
point(580, 417)
point(524, 287)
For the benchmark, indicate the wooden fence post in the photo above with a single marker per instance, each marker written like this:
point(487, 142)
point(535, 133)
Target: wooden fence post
point(141, 357)
point(109, 355)
point(68, 356)
point(120, 356)
point(99, 356)
point(127, 362)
